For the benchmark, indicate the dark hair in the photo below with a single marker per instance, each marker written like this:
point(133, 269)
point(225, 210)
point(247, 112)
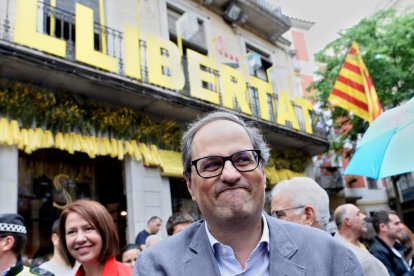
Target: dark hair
point(178, 218)
point(368, 237)
point(382, 216)
point(97, 215)
point(153, 218)
point(407, 240)
point(55, 227)
point(253, 132)
point(126, 248)
point(19, 241)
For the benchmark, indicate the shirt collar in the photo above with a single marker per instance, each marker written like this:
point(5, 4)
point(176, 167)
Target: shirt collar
point(14, 269)
point(264, 238)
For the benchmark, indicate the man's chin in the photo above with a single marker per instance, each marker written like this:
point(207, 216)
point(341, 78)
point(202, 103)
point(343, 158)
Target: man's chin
point(238, 210)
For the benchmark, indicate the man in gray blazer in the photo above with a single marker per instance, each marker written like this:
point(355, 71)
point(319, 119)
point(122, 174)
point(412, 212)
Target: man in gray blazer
point(236, 237)
point(302, 200)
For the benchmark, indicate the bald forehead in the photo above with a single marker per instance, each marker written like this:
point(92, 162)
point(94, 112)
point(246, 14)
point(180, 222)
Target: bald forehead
point(347, 209)
point(221, 137)
point(223, 125)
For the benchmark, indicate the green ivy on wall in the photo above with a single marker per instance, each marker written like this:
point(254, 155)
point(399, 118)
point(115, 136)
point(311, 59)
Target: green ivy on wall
point(291, 159)
point(63, 112)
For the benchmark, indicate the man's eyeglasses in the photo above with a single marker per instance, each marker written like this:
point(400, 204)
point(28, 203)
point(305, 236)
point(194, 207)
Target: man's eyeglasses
point(282, 213)
point(211, 166)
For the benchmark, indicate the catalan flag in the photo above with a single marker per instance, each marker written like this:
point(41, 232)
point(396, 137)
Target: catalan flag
point(353, 89)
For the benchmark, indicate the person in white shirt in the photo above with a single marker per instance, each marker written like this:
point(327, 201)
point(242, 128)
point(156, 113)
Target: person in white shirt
point(351, 225)
point(59, 265)
point(223, 166)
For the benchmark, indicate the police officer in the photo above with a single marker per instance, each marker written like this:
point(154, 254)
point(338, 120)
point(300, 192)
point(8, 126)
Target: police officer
point(12, 242)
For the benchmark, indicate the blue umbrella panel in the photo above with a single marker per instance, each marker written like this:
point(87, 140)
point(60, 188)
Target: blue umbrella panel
point(387, 147)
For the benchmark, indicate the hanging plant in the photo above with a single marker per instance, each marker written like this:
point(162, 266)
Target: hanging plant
point(63, 113)
point(291, 159)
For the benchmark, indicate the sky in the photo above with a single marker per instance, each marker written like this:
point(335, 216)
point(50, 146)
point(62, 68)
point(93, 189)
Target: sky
point(330, 17)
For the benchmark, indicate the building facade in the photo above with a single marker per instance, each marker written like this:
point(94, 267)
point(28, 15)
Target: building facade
point(95, 94)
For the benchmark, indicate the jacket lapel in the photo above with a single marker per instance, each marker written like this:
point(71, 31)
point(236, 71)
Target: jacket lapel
point(282, 248)
point(199, 259)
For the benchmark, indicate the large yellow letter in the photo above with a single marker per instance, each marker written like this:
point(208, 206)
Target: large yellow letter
point(197, 76)
point(85, 51)
point(306, 108)
point(164, 63)
point(263, 90)
point(25, 32)
point(234, 88)
point(132, 61)
point(285, 111)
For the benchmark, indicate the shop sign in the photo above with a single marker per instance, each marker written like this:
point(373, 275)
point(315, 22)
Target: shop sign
point(231, 85)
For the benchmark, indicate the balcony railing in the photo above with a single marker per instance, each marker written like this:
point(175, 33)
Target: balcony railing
point(61, 24)
point(330, 178)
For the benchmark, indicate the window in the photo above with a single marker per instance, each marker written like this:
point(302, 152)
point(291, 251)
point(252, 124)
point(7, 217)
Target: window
point(372, 183)
point(406, 187)
point(270, 107)
point(260, 64)
point(197, 42)
point(59, 21)
point(254, 102)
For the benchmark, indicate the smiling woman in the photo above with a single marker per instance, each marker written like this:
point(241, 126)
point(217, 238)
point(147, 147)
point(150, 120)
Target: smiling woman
point(91, 238)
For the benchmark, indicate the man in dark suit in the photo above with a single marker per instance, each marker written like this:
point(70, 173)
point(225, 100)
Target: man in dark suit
point(389, 228)
point(236, 237)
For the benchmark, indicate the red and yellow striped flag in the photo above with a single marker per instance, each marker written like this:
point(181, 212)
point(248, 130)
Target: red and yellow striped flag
point(353, 89)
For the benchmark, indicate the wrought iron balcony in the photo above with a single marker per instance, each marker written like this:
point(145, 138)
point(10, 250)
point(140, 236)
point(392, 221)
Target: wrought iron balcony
point(330, 178)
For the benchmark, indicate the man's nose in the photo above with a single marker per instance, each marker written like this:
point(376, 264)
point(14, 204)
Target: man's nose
point(230, 173)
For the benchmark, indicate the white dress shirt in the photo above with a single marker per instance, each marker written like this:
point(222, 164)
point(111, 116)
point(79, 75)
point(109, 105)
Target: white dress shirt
point(256, 264)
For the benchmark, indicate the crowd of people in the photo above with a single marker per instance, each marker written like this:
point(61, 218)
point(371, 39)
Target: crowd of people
point(388, 252)
point(235, 236)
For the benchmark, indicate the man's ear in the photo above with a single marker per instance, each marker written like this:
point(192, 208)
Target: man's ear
point(347, 221)
point(189, 187)
point(7, 243)
point(309, 213)
point(382, 226)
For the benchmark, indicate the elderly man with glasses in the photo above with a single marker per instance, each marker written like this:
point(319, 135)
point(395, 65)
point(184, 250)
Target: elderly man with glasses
point(301, 200)
point(223, 159)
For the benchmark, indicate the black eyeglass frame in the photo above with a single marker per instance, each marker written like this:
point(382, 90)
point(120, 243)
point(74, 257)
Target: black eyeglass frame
point(225, 158)
point(275, 213)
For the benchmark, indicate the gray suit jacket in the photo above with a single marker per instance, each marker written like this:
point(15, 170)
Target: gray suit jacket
point(294, 250)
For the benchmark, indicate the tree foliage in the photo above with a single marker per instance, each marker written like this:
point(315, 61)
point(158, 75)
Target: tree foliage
point(386, 42)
